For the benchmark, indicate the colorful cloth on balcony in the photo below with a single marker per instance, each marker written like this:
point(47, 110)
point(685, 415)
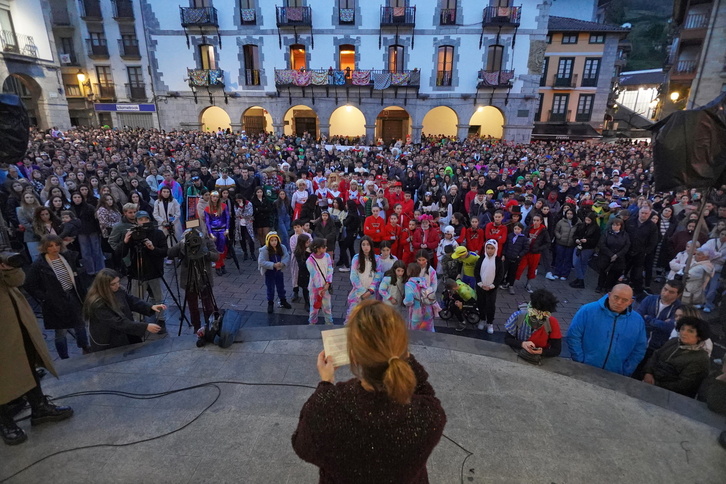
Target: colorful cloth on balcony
point(248, 14)
point(399, 11)
point(339, 78)
point(294, 14)
point(198, 77)
point(301, 78)
point(399, 78)
point(496, 78)
point(216, 77)
point(361, 78)
point(283, 77)
point(381, 80)
point(319, 78)
point(504, 12)
point(347, 14)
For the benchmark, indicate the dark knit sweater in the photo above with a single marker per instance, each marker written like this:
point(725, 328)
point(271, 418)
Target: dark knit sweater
point(357, 436)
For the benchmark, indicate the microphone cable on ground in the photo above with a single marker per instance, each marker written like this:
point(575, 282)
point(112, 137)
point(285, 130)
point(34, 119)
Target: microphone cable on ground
point(151, 396)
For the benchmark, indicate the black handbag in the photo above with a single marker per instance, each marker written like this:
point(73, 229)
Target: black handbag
point(530, 358)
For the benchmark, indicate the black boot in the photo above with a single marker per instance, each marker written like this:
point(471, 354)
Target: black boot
point(11, 433)
point(244, 256)
point(47, 412)
point(295, 295)
point(285, 304)
point(270, 307)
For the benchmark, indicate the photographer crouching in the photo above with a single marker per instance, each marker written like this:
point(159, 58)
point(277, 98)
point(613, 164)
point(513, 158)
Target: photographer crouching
point(144, 250)
point(196, 252)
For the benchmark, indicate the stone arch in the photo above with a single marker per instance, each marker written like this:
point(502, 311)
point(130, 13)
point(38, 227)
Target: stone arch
point(29, 91)
point(347, 120)
point(440, 120)
point(393, 123)
point(256, 120)
point(213, 117)
point(487, 121)
point(301, 118)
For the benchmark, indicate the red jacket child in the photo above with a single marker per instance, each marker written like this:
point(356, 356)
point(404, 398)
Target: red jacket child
point(473, 237)
point(393, 234)
point(496, 232)
point(373, 227)
point(408, 236)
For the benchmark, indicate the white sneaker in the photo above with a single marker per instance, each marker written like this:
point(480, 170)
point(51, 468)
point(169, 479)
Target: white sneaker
point(550, 277)
point(344, 269)
point(490, 328)
point(480, 326)
point(563, 278)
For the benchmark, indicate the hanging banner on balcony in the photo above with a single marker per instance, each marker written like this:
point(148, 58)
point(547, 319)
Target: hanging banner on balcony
point(126, 108)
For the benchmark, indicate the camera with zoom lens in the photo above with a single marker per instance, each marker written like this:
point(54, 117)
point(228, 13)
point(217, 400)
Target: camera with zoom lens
point(194, 245)
point(139, 233)
point(12, 259)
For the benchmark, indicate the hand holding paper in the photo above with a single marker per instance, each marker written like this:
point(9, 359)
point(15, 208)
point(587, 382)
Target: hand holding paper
point(335, 344)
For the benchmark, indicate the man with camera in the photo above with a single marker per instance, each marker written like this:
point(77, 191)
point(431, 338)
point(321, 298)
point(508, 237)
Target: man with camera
point(144, 250)
point(196, 251)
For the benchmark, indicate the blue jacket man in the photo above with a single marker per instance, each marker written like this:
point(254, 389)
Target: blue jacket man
point(608, 334)
point(659, 313)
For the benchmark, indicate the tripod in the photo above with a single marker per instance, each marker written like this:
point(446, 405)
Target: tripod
point(138, 251)
point(198, 283)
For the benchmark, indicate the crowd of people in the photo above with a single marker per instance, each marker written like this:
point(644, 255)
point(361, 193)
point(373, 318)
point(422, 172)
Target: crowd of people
point(407, 222)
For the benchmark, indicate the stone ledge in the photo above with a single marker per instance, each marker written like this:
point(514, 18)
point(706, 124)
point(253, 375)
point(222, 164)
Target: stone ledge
point(668, 400)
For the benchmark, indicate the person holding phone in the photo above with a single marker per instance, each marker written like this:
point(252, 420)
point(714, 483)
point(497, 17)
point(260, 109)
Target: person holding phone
point(532, 330)
point(389, 403)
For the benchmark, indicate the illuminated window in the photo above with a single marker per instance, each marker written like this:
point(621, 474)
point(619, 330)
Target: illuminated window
point(445, 65)
point(395, 58)
point(346, 57)
point(206, 54)
point(298, 59)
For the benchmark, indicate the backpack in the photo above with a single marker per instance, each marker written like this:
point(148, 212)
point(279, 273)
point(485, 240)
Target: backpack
point(428, 295)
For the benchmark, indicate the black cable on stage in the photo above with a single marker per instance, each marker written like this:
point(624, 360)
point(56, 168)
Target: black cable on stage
point(151, 396)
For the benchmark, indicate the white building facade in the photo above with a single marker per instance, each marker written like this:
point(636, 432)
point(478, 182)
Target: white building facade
point(389, 69)
point(28, 64)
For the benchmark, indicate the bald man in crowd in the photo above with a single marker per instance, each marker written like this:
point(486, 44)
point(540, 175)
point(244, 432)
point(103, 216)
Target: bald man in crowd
point(608, 334)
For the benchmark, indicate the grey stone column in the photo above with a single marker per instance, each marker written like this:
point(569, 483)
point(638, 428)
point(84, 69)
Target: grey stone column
point(416, 133)
point(235, 127)
point(371, 133)
point(462, 131)
point(278, 128)
point(324, 129)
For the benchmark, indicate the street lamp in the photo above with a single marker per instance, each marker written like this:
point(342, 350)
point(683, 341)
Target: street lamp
point(675, 95)
point(84, 81)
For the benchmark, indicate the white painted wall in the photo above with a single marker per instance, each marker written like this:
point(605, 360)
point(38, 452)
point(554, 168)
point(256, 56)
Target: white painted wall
point(28, 20)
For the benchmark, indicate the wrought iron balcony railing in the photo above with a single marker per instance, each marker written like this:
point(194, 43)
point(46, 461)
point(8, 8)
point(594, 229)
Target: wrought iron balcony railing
point(565, 81)
point(123, 10)
point(105, 91)
point(696, 21)
point(205, 77)
point(198, 17)
point(14, 43)
point(401, 16)
point(448, 16)
point(559, 116)
point(129, 48)
point(294, 16)
point(377, 79)
point(499, 78)
point(90, 9)
point(502, 16)
point(136, 92)
point(252, 77)
point(97, 47)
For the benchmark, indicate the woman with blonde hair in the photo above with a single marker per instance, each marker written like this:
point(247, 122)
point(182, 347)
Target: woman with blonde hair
point(389, 402)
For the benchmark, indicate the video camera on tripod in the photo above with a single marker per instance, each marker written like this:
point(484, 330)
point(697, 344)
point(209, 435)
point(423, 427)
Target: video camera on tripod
point(139, 233)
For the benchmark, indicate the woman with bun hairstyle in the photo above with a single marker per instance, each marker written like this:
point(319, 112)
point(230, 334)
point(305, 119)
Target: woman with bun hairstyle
point(389, 402)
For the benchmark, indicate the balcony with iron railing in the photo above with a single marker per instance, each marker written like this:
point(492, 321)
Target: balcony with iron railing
point(448, 16)
point(90, 9)
point(294, 16)
point(205, 77)
point(684, 70)
point(589, 82)
point(694, 28)
point(559, 116)
point(136, 92)
point(375, 78)
point(502, 16)
point(129, 48)
point(696, 21)
point(105, 91)
point(398, 16)
point(19, 44)
point(68, 58)
point(585, 117)
point(123, 10)
point(444, 78)
point(565, 82)
point(97, 48)
point(73, 90)
point(252, 77)
point(198, 17)
point(499, 78)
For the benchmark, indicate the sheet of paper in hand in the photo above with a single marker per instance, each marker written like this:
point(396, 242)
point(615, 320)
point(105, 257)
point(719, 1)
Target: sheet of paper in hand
point(335, 344)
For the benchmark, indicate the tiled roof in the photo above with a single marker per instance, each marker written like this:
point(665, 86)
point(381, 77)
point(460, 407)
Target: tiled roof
point(566, 24)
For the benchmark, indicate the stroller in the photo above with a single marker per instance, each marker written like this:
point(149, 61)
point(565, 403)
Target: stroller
point(469, 309)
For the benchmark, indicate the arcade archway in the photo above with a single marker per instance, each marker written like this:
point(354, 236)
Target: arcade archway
point(392, 124)
point(441, 120)
point(487, 121)
point(215, 118)
point(29, 91)
point(347, 121)
point(256, 120)
point(301, 119)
